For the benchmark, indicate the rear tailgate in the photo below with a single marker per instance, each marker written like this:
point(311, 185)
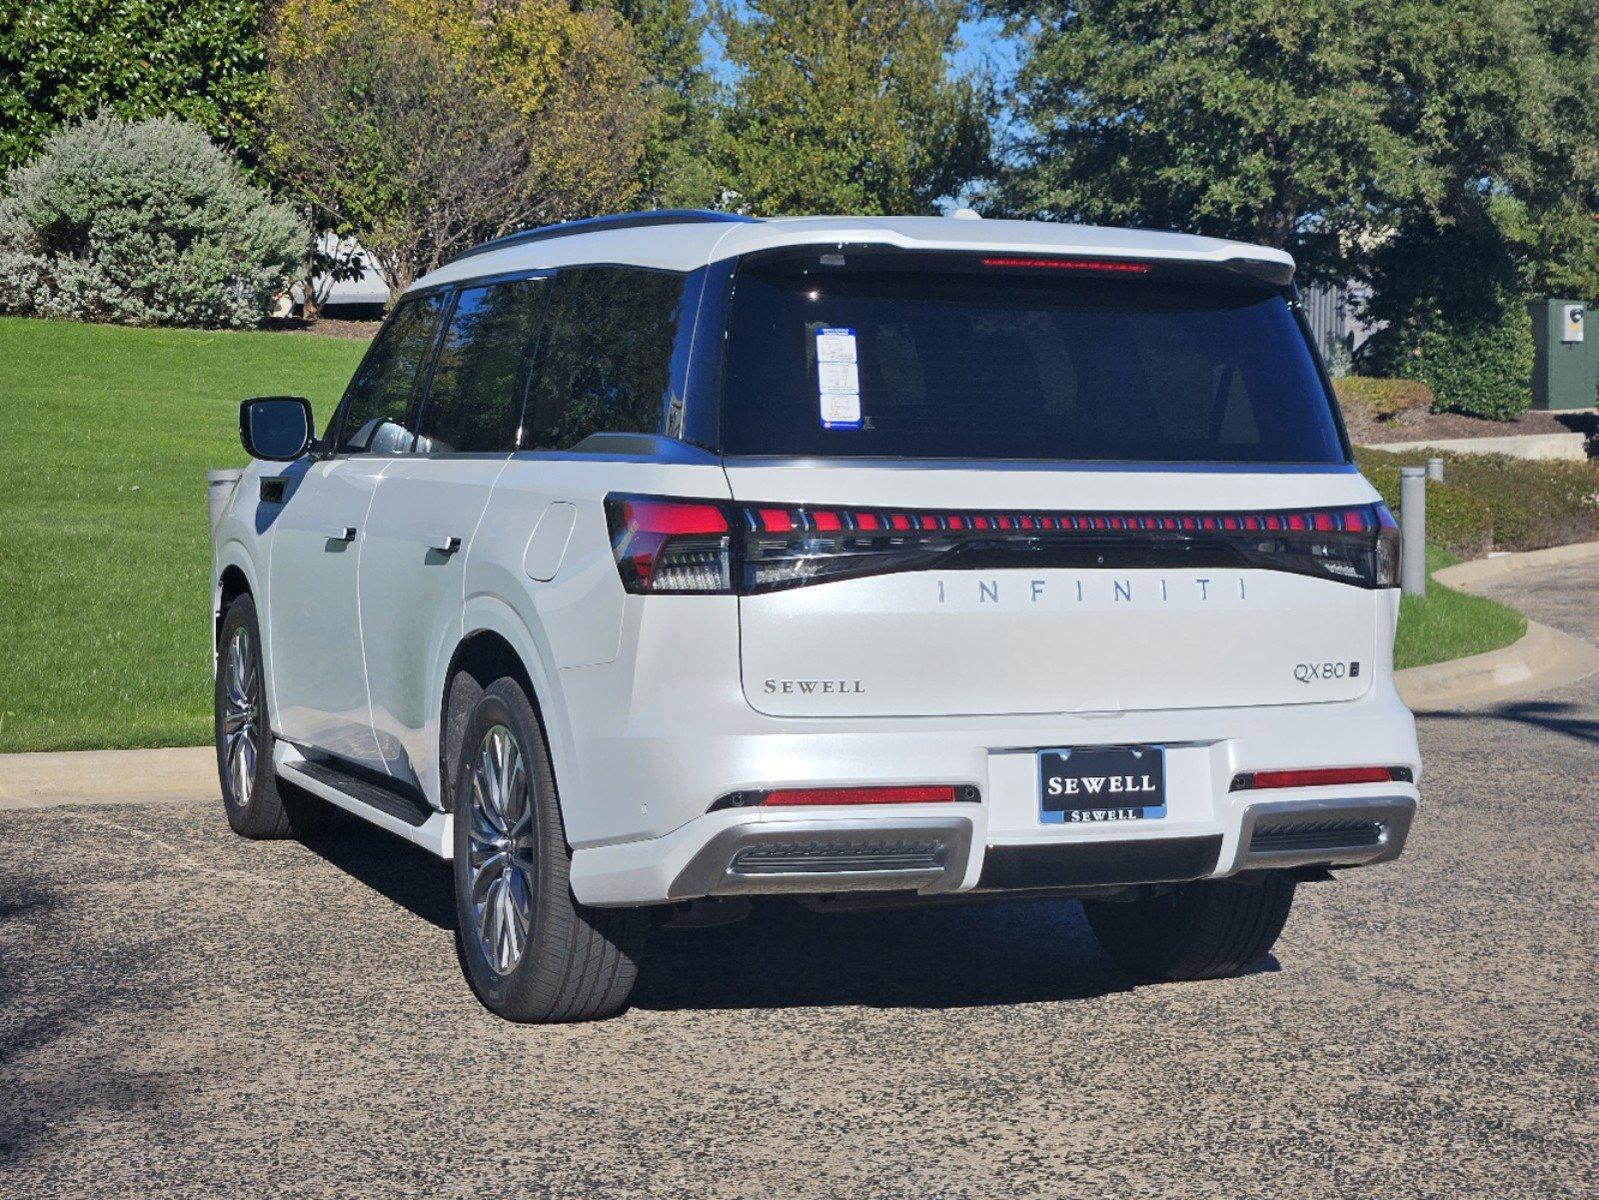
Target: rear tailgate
point(1108, 623)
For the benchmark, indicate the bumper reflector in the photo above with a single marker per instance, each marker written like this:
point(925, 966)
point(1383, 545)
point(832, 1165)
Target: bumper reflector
point(939, 794)
point(1251, 781)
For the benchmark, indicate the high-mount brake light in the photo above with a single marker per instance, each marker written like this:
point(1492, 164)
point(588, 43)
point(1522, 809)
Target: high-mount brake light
point(1100, 266)
point(667, 545)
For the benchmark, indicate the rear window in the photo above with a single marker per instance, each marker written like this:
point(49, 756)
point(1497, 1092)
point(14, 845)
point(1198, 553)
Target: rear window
point(882, 355)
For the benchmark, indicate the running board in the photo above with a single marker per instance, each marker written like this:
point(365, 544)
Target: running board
point(389, 811)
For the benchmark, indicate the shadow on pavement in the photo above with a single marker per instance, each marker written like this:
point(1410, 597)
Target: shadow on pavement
point(407, 875)
point(785, 956)
point(66, 989)
point(1566, 718)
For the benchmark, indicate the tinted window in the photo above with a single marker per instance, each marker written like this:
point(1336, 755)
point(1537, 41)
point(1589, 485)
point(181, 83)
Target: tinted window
point(606, 355)
point(378, 398)
point(474, 403)
point(957, 360)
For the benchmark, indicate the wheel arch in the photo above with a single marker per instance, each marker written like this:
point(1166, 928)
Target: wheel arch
point(494, 645)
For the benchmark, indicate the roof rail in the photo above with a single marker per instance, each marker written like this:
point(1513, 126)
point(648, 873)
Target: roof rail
point(637, 220)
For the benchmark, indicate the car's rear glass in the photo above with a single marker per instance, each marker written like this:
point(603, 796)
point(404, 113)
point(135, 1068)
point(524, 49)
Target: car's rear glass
point(877, 354)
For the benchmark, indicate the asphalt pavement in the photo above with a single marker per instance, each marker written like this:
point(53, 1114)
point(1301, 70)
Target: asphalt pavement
point(183, 1013)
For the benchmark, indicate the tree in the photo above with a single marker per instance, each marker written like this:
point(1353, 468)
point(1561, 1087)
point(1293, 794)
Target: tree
point(1439, 149)
point(675, 169)
point(64, 60)
point(848, 106)
point(421, 127)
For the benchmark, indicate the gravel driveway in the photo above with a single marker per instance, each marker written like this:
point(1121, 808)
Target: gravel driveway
point(186, 1013)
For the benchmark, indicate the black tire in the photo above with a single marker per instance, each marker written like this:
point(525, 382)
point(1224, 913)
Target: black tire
point(251, 796)
point(575, 963)
point(1205, 930)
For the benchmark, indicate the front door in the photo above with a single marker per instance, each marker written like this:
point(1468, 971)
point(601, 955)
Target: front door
point(319, 678)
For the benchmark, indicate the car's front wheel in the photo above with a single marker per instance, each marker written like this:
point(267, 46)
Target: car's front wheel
point(250, 793)
point(530, 950)
point(1205, 930)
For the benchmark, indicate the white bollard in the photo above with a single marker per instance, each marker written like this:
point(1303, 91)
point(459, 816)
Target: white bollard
point(1435, 470)
point(1413, 530)
point(219, 487)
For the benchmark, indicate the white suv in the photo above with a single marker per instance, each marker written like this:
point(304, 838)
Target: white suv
point(655, 562)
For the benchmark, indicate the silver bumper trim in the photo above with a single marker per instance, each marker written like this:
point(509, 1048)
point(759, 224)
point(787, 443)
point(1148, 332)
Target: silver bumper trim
point(1391, 815)
point(816, 857)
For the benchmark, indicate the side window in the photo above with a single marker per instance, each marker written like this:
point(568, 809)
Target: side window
point(379, 396)
point(606, 357)
point(474, 403)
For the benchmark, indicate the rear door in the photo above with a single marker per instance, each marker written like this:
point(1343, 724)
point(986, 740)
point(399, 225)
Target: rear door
point(427, 509)
point(988, 486)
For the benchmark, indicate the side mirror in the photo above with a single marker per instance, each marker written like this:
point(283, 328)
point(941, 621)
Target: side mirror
point(276, 428)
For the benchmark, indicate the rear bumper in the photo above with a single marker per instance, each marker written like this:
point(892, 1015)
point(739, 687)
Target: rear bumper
point(933, 852)
point(999, 843)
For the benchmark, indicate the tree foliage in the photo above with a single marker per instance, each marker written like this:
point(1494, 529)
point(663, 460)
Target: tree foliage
point(848, 106)
point(142, 223)
point(675, 168)
point(424, 126)
point(1446, 151)
point(64, 60)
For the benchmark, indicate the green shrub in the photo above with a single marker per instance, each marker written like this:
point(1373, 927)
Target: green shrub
point(1480, 366)
point(1493, 500)
point(1386, 398)
point(142, 223)
point(1457, 520)
point(1456, 316)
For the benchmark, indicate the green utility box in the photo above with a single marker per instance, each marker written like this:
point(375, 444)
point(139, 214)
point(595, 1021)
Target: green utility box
point(1565, 366)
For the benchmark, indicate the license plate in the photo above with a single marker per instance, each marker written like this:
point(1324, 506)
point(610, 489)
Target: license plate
point(1090, 784)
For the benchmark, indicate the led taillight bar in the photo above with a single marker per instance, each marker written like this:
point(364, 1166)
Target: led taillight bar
point(668, 545)
point(1251, 781)
point(767, 518)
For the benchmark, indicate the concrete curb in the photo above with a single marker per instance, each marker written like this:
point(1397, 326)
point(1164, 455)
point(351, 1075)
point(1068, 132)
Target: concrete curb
point(1543, 658)
point(1566, 447)
point(1469, 575)
point(107, 777)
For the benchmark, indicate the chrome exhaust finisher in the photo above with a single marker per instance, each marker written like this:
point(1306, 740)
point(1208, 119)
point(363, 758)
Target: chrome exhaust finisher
point(1348, 832)
point(815, 857)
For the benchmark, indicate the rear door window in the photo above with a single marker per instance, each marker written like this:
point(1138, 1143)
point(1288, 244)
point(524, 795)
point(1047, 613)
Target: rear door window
point(605, 356)
point(377, 403)
point(474, 403)
point(943, 356)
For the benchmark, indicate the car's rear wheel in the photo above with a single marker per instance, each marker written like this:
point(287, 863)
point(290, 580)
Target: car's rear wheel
point(1205, 930)
point(530, 950)
point(244, 741)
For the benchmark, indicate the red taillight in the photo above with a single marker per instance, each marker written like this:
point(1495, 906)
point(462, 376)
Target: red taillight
point(938, 794)
point(664, 545)
point(1106, 266)
point(1318, 777)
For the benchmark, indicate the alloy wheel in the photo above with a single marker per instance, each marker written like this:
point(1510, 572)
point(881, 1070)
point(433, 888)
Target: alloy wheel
point(240, 712)
point(500, 866)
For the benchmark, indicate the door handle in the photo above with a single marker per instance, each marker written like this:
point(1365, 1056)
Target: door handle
point(448, 544)
point(341, 533)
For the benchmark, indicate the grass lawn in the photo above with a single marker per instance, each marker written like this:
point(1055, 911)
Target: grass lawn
point(105, 437)
point(1448, 624)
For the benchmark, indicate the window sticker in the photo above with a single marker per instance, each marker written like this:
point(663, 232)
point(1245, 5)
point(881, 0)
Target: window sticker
point(838, 378)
